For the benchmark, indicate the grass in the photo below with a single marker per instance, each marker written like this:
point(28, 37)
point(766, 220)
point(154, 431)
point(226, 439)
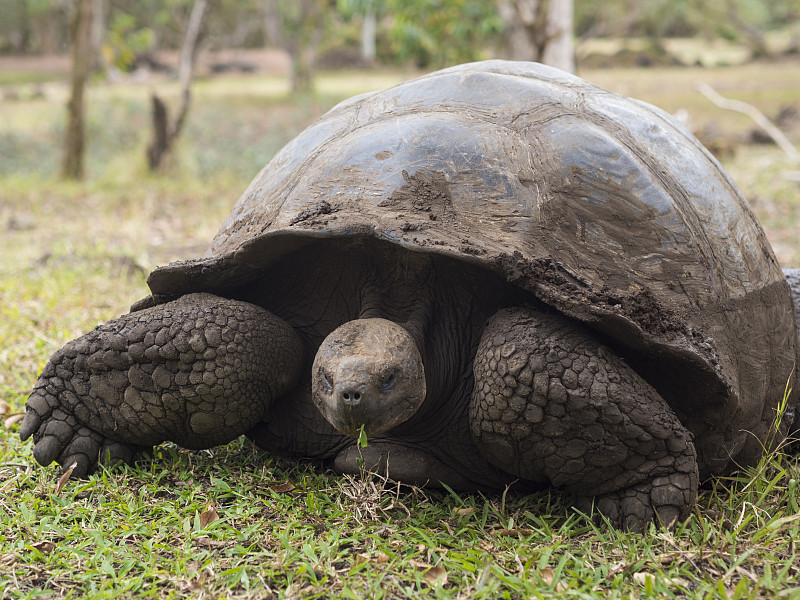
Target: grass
point(227, 523)
point(234, 522)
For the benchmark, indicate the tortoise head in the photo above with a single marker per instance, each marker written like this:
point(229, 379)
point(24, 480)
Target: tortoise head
point(368, 372)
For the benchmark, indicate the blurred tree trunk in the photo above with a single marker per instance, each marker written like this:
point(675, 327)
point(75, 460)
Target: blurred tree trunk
point(368, 31)
point(297, 28)
point(539, 30)
point(81, 53)
point(560, 52)
point(97, 35)
point(303, 59)
point(164, 132)
point(22, 42)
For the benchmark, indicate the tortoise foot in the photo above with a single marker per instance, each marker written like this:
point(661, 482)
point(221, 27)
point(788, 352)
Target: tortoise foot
point(554, 405)
point(199, 371)
point(665, 501)
point(59, 436)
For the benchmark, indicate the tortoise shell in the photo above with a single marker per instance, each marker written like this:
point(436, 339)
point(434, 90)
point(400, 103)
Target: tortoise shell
point(601, 206)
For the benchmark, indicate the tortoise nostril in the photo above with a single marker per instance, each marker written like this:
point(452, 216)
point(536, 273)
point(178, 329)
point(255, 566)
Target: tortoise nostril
point(351, 397)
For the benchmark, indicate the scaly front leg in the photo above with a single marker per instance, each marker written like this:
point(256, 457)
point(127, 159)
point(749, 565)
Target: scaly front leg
point(198, 371)
point(553, 404)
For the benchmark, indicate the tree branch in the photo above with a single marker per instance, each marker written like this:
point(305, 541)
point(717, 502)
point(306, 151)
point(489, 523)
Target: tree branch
point(186, 67)
point(164, 133)
point(752, 112)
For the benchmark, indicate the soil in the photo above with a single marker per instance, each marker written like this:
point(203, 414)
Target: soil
point(424, 191)
point(642, 307)
point(266, 61)
point(36, 64)
point(313, 212)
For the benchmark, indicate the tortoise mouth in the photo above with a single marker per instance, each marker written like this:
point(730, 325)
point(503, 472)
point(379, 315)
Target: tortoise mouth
point(368, 373)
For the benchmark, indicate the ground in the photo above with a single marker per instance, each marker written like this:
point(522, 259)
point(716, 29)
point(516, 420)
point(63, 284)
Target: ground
point(235, 522)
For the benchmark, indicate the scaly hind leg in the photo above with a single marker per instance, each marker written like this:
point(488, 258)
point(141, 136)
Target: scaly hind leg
point(552, 404)
point(198, 371)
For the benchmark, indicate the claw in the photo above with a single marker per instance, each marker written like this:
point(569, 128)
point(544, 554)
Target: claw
point(115, 453)
point(668, 516)
point(46, 450)
point(29, 425)
point(83, 466)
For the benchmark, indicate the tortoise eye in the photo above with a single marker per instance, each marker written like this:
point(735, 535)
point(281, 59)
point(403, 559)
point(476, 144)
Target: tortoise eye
point(327, 381)
point(389, 382)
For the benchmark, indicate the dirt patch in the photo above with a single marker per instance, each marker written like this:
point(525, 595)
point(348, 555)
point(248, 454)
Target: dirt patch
point(265, 61)
point(641, 307)
point(628, 58)
point(313, 212)
point(424, 192)
point(53, 63)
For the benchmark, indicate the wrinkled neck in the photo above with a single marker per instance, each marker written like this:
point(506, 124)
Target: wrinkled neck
point(402, 294)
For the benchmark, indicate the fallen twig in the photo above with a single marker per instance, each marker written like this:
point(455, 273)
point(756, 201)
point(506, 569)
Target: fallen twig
point(752, 112)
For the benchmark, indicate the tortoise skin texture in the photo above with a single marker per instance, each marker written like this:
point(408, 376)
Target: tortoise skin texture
point(594, 304)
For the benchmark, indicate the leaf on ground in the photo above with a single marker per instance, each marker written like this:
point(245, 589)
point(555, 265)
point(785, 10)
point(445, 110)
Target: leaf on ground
point(549, 576)
point(616, 569)
point(208, 516)
point(44, 547)
point(361, 558)
point(748, 574)
point(62, 481)
point(191, 585)
point(516, 531)
point(282, 487)
point(643, 578)
point(433, 574)
point(4, 407)
point(463, 512)
point(12, 420)
point(668, 558)
point(206, 542)
point(679, 557)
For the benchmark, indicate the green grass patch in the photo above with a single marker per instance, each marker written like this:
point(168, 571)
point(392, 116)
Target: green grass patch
point(234, 522)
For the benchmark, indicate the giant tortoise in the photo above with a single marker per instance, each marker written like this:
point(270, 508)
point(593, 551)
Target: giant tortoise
point(499, 271)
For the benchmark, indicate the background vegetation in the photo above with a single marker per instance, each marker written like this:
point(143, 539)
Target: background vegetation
point(431, 33)
point(233, 522)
